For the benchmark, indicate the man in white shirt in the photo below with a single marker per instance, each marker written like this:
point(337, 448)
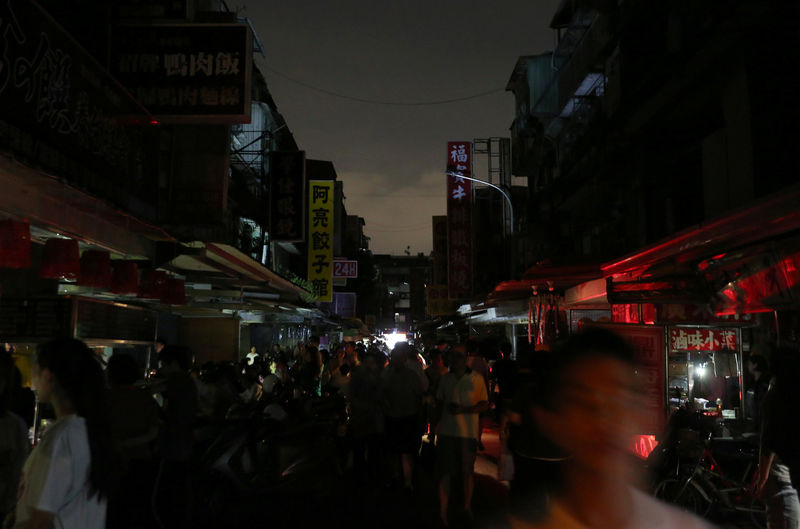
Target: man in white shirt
point(461, 397)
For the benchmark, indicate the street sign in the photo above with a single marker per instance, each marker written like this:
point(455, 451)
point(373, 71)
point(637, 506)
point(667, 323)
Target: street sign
point(345, 269)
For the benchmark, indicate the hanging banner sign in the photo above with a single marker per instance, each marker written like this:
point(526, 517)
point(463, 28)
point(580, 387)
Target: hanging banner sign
point(703, 339)
point(287, 211)
point(320, 238)
point(459, 219)
point(438, 302)
point(648, 349)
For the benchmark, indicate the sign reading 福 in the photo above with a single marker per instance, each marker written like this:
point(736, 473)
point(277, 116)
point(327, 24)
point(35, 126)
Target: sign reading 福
point(459, 219)
point(286, 196)
point(320, 238)
point(187, 73)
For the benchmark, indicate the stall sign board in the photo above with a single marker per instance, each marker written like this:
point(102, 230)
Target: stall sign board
point(702, 339)
point(33, 318)
point(344, 304)
point(648, 348)
point(345, 269)
point(287, 211)
point(320, 238)
point(111, 321)
point(459, 219)
point(187, 73)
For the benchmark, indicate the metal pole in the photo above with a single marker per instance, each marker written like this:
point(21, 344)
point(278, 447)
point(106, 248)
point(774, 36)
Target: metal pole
point(505, 195)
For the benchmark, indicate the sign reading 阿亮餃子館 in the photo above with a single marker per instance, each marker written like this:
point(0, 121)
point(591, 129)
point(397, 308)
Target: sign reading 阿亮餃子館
point(286, 196)
point(320, 238)
point(459, 219)
point(344, 268)
point(187, 73)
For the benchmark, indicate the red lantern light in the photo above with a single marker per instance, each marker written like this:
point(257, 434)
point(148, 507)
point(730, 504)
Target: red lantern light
point(95, 269)
point(15, 244)
point(152, 285)
point(174, 292)
point(60, 259)
point(124, 277)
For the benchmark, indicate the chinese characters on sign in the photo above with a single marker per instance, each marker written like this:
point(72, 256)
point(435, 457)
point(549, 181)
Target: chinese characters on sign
point(438, 302)
point(343, 269)
point(459, 220)
point(286, 192)
point(320, 238)
point(648, 349)
point(187, 73)
point(703, 339)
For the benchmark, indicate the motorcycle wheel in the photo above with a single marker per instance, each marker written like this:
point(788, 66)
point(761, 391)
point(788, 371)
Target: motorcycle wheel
point(758, 513)
point(683, 495)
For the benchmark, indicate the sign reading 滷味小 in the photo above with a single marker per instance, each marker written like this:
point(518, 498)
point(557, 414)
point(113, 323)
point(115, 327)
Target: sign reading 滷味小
point(320, 238)
point(703, 339)
point(286, 196)
point(343, 268)
point(459, 219)
point(187, 73)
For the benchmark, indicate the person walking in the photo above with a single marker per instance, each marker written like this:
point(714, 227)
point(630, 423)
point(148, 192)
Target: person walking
point(70, 473)
point(462, 396)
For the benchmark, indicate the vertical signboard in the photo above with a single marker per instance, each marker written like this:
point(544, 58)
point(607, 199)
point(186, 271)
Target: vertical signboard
point(459, 219)
point(650, 356)
point(320, 238)
point(286, 192)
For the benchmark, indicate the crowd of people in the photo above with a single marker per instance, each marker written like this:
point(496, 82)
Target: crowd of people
point(121, 451)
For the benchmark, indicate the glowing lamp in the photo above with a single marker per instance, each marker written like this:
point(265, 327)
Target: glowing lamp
point(174, 292)
point(152, 285)
point(60, 259)
point(15, 244)
point(95, 269)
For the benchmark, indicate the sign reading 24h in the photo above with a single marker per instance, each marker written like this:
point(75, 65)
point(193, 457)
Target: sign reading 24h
point(320, 238)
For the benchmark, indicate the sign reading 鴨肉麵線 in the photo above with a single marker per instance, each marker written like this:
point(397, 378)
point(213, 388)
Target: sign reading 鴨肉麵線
point(320, 238)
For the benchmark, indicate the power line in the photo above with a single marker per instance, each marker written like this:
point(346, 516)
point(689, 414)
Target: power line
point(380, 101)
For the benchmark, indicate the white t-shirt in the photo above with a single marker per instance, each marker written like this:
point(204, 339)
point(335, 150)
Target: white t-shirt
point(468, 390)
point(647, 513)
point(55, 478)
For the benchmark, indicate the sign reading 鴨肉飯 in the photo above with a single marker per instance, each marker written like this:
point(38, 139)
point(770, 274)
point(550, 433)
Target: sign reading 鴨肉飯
point(459, 219)
point(287, 196)
point(187, 73)
point(320, 238)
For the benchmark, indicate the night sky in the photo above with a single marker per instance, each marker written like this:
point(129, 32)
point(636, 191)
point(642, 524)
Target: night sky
point(391, 157)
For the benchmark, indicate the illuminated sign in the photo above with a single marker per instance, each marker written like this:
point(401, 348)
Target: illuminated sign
point(703, 339)
point(459, 220)
point(320, 238)
point(345, 269)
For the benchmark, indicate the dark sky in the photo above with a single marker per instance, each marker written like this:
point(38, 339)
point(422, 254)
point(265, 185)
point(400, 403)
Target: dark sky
point(391, 158)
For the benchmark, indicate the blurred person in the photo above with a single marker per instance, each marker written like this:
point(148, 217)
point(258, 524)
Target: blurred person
point(505, 373)
point(461, 397)
point(351, 354)
point(434, 373)
point(333, 364)
point(71, 471)
point(252, 355)
point(588, 409)
point(758, 369)
point(251, 383)
point(401, 395)
point(366, 420)
point(177, 438)
point(135, 422)
point(778, 473)
point(13, 439)
point(478, 364)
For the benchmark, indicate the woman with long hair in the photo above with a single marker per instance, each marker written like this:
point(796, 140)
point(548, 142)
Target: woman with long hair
point(68, 476)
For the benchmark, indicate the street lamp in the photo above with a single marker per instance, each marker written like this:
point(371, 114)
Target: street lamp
point(505, 195)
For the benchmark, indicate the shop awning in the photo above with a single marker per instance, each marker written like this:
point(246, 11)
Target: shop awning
point(746, 261)
point(213, 262)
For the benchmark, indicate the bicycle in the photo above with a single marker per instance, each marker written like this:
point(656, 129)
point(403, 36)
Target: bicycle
point(701, 485)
